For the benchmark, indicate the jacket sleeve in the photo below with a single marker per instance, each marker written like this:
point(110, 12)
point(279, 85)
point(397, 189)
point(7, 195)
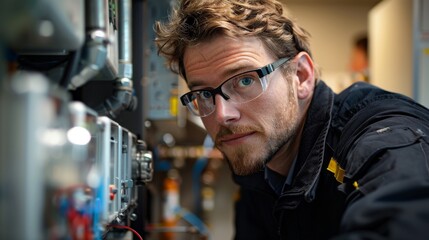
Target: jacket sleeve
point(388, 168)
point(396, 211)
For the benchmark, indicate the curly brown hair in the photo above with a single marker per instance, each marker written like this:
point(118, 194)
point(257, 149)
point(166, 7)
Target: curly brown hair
point(196, 21)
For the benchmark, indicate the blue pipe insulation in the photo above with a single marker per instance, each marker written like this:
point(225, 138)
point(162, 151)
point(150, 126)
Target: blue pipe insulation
point(197, 171)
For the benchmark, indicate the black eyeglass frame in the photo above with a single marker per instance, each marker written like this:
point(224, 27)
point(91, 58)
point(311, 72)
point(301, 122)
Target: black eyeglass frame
point(262, 72)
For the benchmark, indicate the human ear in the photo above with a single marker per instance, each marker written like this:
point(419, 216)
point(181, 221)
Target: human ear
point(305, 74)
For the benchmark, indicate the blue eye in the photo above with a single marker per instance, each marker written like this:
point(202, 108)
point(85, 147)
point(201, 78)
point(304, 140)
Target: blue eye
point(245, 81)
point(205, 94)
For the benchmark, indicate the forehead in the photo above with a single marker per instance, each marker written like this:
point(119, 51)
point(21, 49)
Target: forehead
point(221, 57)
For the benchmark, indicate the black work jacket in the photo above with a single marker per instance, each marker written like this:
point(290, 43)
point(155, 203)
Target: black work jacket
point(361, 173)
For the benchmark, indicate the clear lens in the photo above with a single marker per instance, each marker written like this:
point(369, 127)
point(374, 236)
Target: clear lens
point(204, 105)
point(240, 89)
point(243, 88)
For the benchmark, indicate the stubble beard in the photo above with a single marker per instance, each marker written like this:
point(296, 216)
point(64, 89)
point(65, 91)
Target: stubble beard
point(250, 158)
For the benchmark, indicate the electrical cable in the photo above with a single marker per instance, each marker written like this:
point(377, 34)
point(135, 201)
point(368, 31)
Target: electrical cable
point(128, 228)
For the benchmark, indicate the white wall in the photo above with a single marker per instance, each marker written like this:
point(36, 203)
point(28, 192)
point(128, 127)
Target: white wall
point(392, 45)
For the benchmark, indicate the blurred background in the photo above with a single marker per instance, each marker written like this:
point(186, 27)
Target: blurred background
point(93, 141)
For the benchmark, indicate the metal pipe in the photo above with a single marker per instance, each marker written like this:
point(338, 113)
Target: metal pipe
point(96, 14)
point(123, 97)
point(125, 39)
point(95, 50)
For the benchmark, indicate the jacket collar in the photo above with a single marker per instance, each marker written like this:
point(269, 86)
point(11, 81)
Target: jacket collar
point(312, 148)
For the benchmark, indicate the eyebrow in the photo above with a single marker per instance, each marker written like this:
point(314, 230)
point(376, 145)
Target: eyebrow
point(231, 72)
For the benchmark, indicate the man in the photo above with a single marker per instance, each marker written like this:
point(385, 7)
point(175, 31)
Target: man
point(310, 164)
point(359, 65)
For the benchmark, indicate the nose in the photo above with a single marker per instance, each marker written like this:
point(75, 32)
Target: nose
point(225, 111)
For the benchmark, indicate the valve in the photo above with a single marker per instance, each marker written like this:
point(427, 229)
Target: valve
point(142, 170)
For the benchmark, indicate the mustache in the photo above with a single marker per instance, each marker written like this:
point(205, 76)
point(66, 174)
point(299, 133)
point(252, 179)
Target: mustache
point(225, 131)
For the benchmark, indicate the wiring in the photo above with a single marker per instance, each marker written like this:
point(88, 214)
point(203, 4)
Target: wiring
point(128, 228)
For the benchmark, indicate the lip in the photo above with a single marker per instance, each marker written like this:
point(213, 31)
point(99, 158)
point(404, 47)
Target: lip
point(235, 138)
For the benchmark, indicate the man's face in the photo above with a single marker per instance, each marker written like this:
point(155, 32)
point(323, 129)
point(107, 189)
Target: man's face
point(248, 134)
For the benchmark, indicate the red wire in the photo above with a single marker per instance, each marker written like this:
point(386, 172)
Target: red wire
point(128, 228)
